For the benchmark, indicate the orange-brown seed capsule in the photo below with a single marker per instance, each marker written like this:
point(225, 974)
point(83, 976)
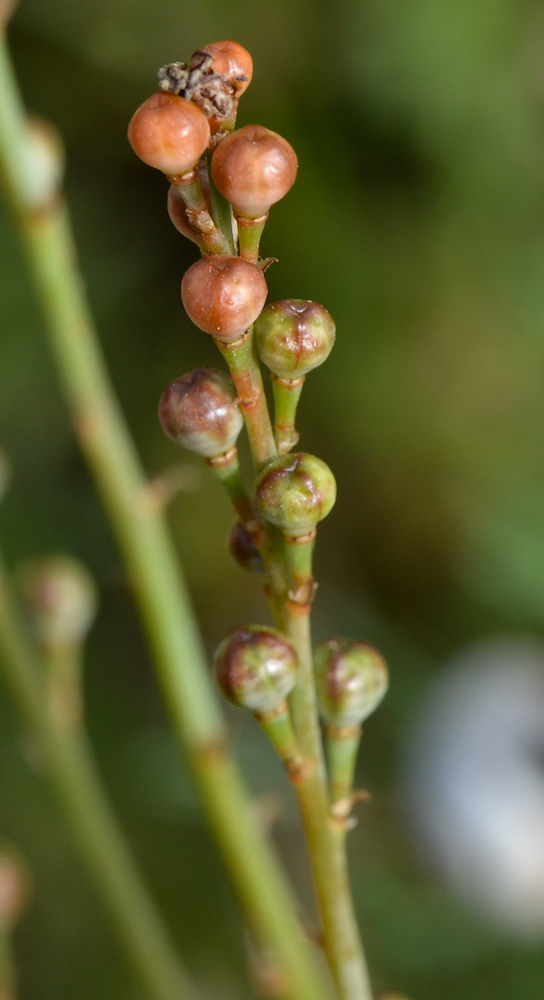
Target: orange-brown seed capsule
point(223, 295)
point(169, 133)
point(253, 168)
point(231, 61)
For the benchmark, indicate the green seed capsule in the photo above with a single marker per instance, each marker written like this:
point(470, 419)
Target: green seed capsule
point(351, 680)
point(255, 668)
point(295, 492)
point(200, 411)
point(61, 597)
point(294, 336)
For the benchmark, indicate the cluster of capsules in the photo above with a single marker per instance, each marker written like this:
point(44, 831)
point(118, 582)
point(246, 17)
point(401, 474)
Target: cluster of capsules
point(223, 182)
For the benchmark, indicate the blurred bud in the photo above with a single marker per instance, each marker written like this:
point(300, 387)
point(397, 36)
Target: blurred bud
point(244, 551)
point(231, 61)
point(201, 412)
point(5, 473)
point(46, 154)
point(169, 133)
point(295, 492)
point(255, 668)
point(14, 886)
point(294, 336)
point(351, 680)
point(61, 596)
point(223, 295)
point(253, 168)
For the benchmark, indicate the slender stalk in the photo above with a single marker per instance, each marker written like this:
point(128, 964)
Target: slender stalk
point(227, 470)
point(286, 396)
point(148, 550)
point(326, 844)
point(249, 236)
point(221, 208)
point(243, 363)
point(7, 966)
point(189, 187)
point(72, 770)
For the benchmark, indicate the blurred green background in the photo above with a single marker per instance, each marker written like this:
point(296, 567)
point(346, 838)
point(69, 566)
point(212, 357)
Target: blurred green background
point(417, 220)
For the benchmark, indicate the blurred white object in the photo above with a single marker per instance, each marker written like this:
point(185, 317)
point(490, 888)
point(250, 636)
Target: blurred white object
point(475, 781)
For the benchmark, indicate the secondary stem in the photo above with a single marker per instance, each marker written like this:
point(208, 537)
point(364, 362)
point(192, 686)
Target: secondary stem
point(72, 770)
point(149, 554)
point(326, 847)
point(241, 357)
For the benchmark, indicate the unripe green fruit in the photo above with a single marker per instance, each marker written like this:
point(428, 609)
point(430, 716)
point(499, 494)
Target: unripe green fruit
point(200, 411)
point(255, 668)
point(294, 336)
point(61, 597)
point(351, 680)
point(295, 492)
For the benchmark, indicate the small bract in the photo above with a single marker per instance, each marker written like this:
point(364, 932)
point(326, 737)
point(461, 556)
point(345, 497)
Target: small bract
point(351, 680)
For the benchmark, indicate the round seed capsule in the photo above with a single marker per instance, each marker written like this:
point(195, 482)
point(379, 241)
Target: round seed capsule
point(253, 168)
point(169, 133)
point(61, 597)
point(231, 61)
point(200, 411)
point(294, 336)
point(351, 680)
point(223, 295)
point(295, 492)
point(255, 668)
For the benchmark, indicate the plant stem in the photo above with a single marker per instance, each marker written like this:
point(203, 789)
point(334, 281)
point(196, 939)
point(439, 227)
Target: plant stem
point(243, 363)
point(149, 553)
point(221, 208)
point(71, 768)
point(189, 187)
point(286, 396)
point(249, 236)
point(326, 845)
point(227, 470)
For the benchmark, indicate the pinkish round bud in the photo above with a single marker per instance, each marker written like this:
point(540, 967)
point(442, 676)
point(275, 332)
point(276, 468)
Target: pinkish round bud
point(200, 411)
point(223, 295)
point(61, 597)
point(351, 679)
point(231, 61)
point(294, 336)
point(255, 668)
point(169, 133)
point(295, 492)
point(253, 168)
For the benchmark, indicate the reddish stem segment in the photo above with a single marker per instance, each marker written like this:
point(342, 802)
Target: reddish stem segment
point(242, 360)
point(190, 189)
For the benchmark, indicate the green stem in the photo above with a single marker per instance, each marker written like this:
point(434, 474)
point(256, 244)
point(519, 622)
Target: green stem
point(249, 236)
point(342, 749)
point(326, 843)
point(243, 363)
point(286, 396)
point(72, 770)
point(190, 189)
point(8, 976)
point(221, 208)
point(227, 470)
point(149, 553)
